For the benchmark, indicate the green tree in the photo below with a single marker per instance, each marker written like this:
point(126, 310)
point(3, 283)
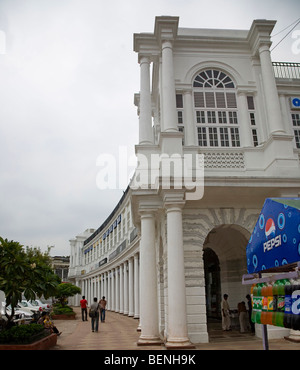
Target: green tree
point(25, 272)
point(65, 290)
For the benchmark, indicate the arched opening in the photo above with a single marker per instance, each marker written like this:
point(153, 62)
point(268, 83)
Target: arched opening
point(224, 256)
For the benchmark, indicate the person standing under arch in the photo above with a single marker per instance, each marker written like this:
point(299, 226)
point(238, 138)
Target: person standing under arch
point(226, 322)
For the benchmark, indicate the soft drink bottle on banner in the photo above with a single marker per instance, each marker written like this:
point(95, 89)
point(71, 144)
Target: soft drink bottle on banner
point(281, 285)
point(270, 298)
point(275, 296)
point(278, 304)
point(264, 289)
point(256, 304)
point(259, 287)
point(264, 304)
point(275, 287)
point(259, 310)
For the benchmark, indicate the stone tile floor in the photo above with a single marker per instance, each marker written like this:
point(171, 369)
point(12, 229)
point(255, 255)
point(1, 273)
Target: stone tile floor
point(119, 332)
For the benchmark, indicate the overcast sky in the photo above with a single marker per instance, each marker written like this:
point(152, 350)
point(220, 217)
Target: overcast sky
point(68, 75)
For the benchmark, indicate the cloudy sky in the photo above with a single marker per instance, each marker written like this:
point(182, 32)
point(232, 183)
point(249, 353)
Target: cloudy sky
point(68, 75)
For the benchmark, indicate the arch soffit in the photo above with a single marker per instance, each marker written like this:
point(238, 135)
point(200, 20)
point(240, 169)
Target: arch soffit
point(240, 220)
point(226, 68)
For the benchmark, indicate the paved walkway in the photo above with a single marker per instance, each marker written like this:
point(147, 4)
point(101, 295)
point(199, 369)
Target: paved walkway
point(119, 333)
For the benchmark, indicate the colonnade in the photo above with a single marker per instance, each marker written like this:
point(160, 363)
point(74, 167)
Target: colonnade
point(119, 284)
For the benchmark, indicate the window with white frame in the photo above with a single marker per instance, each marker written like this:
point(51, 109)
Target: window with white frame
point(179, 107)
point(216, 109)
point(253, 123)
point(296, 127)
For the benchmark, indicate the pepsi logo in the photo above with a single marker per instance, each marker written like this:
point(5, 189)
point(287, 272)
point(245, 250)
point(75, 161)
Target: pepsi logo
point(270, 228)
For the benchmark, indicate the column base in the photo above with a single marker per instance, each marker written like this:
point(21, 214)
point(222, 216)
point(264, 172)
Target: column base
point(294, 336)
point(150, 341)
point(179, 344)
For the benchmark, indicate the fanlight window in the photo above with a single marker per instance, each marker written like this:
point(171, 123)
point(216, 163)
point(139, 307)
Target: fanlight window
point(215, 108)
point(213, 78)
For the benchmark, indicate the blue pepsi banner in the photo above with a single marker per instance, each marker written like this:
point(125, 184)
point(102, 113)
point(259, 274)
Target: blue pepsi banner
point(275, 240)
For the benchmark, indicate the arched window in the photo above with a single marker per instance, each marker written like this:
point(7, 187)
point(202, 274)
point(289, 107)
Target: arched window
point(216, 109)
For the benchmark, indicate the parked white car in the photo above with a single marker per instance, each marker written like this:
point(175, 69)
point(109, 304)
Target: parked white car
point(30, 306)
point(20, 315)
point(27, 306)
point(39, 303)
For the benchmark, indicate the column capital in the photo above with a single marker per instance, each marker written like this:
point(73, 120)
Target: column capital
point(173, 200)
point(166, 44)
point(149, 206)
point(264, 46)
point(144, 58)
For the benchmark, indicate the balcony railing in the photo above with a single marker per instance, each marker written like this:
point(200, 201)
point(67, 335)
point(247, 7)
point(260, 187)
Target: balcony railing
point(286, 70)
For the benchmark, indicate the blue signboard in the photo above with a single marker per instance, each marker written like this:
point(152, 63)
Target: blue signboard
point(275, 240)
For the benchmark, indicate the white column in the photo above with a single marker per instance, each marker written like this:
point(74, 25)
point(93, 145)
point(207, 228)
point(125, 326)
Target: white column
point(177, 319)
point(136, 287)
point(285, 112)
point(148, 282)
point(112, 289)
point(108, 297)
point(117, 290)
point(168, 88)
point(130, 287)
point(83, 292)
point(245, 131)
point(270, 91)
point(99, 287)
point(125, 289)
point(190, 131)
point(145, 117)
point(121, 289)
point(105, 285)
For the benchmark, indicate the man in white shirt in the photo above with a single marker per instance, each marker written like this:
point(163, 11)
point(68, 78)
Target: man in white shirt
point(226, 322)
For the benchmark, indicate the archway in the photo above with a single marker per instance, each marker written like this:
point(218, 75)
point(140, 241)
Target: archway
point(224, 256)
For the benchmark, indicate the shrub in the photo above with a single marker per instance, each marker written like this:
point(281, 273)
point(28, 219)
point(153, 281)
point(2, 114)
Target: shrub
point(59, 309)
point(22, 334)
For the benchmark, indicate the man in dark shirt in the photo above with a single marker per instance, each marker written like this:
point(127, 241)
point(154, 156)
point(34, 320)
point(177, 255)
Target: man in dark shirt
point(250, 313)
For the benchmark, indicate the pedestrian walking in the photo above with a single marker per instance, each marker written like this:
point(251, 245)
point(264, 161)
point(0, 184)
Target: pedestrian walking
point(94, 315)
point(83, 305)
point(102, 304)
point(226, 322)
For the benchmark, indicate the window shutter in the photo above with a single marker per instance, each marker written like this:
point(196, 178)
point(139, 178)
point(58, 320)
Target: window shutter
point(199, 99)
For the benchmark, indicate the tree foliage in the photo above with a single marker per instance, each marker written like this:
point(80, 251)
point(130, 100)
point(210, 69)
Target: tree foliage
point(65, 290)
point(25, 272)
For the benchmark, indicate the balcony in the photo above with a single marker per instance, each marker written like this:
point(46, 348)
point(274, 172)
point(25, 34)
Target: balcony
point(286, 70)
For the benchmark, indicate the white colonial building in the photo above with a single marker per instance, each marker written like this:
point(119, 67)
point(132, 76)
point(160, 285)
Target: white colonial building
point(168, 252)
